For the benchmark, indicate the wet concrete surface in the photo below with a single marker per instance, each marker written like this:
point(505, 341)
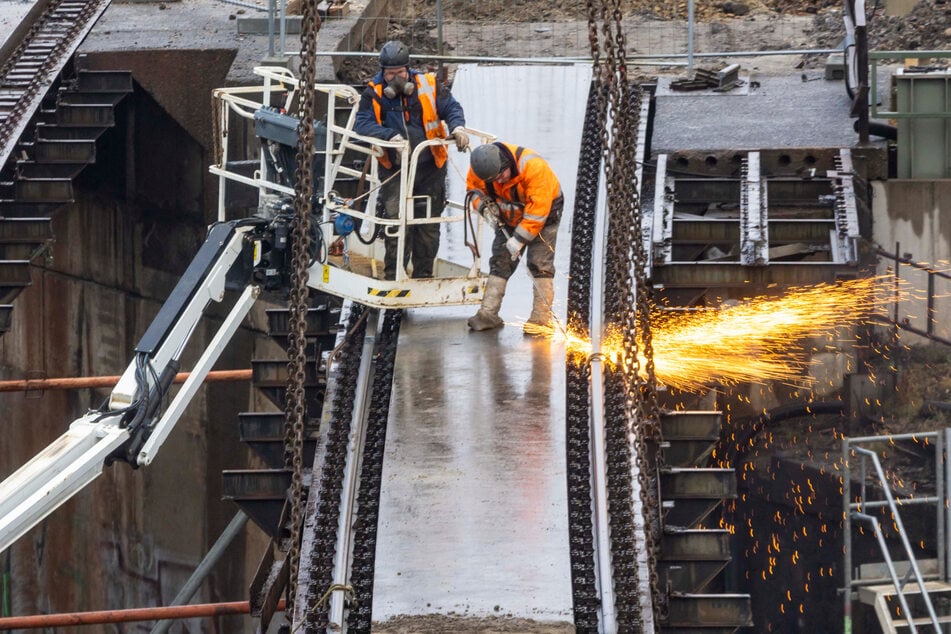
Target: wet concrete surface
point(473, 520)
point(473, 531)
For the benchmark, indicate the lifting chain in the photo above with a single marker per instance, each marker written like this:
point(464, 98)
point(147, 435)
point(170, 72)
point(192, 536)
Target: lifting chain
point(295, 404)
point(628, 296)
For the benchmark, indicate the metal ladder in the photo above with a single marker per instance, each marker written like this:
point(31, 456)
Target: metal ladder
point(904, 593)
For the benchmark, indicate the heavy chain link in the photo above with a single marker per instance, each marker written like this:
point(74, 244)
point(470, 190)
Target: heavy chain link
point(329, 481)
point(295, 404)
point(629, 298)
point(363, 569)
point(617, 450)
point(584, 588)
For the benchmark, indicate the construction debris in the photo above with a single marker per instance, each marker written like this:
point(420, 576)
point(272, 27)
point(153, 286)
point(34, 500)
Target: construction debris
point(719, 80)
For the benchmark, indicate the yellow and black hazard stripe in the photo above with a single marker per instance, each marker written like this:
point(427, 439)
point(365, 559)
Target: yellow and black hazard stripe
point(379, 292)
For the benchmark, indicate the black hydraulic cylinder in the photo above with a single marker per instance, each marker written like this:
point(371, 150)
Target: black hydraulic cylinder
point(184, 291)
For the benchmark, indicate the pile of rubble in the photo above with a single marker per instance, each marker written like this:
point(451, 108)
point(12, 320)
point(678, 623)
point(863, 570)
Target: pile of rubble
point(555, 10)
point(926, 27)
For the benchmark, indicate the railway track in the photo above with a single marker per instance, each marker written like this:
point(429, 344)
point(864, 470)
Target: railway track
point(342, 565)
point(344, 493)
point(34, 64)
point(336, 581)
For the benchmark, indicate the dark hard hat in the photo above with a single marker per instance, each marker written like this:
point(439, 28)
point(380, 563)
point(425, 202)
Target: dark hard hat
point(394, 54)
point(487, 162)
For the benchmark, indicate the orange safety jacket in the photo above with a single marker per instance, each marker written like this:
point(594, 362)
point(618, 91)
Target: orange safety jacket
point(526, 200)
point(434, 128)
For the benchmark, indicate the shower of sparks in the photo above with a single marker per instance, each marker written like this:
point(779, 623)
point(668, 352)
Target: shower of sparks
point(761, 339)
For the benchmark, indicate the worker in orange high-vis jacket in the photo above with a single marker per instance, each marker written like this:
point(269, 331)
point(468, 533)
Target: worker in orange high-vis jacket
point(400, 103)
point(516, 189)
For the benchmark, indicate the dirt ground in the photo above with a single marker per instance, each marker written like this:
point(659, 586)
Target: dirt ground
point(557, 28)
point(540, 11)
point(436, 624)
point(926, 27)
point(922, 397)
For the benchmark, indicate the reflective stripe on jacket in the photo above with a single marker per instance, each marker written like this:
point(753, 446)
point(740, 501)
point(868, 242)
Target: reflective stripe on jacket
point(525, 201)
point(434, 128)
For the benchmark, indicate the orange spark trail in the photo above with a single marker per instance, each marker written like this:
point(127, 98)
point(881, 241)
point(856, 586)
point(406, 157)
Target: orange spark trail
point(761, 339)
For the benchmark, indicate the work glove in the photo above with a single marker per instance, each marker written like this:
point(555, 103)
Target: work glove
point(396, 153)
point(460, 137)
point(514, 245)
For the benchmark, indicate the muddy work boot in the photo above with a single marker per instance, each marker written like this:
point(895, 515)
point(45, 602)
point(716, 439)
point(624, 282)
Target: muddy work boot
point(487, 316)
point(541, 318)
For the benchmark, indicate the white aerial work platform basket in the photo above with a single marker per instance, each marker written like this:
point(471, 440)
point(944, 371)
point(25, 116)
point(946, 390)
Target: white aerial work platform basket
point(348, 231)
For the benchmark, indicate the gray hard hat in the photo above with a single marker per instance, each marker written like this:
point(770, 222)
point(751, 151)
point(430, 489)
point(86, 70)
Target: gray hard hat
point(394, 54)
point(487, 162)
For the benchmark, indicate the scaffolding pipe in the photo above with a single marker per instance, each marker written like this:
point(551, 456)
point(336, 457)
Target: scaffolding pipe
point(198, 577)
point(638, 60)
point(689, 39)
point(77, 383)
point(127, 616)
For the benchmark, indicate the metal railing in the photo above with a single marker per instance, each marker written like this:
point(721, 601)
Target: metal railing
point(932, 295)
point(856, 509)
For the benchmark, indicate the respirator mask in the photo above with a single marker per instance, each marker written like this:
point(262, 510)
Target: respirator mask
point(399, 86)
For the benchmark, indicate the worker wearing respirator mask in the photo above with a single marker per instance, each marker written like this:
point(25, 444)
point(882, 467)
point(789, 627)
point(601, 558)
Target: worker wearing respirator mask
point(399, 104)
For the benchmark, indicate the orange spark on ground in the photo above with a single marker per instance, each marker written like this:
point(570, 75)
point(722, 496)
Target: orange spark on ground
point(761, 339)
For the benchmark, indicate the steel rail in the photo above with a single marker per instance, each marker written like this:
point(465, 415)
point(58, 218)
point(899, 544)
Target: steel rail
point(598, 450)
point(37, 62)
point(335, 584)
point(319, 539)
point(363, 558)
point(351, 477)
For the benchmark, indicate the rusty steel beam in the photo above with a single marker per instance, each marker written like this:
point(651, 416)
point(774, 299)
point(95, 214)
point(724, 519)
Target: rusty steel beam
point(126, 616)
point(77, 383)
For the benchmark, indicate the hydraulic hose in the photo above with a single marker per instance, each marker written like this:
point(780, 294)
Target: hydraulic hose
point(883, 130)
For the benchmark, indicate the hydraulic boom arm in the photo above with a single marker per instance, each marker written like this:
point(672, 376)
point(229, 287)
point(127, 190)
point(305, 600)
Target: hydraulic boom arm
point(131, 426)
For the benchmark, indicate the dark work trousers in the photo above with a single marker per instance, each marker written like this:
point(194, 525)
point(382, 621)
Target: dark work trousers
point(539, 253)
point(422, 241)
